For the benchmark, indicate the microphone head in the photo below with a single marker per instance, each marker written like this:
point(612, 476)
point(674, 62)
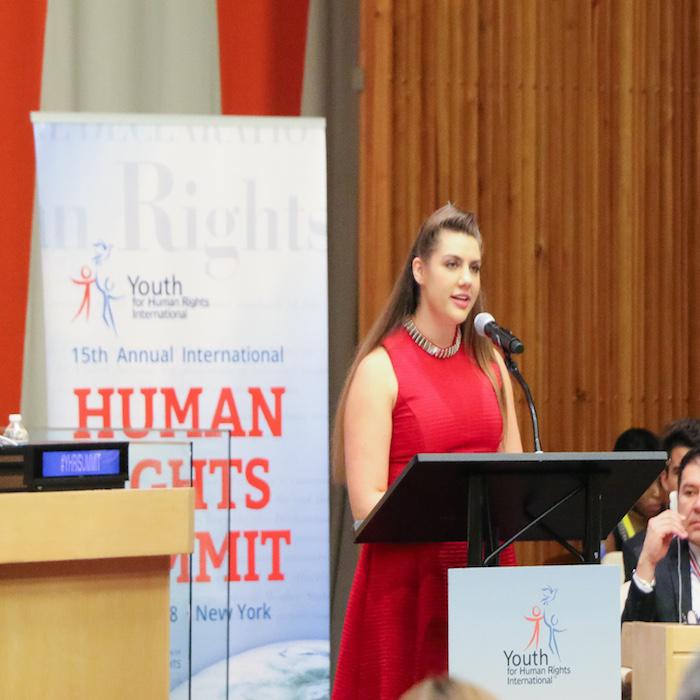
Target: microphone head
point(481, 321)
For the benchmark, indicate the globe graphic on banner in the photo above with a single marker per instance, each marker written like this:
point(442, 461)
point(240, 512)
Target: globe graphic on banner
point(295, 670)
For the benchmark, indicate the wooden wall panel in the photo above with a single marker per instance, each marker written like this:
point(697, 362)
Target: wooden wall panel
point(572, 128)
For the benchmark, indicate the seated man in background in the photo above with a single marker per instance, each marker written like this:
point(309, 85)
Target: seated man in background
point(666, 583)
point(651, 502)
point(678, 439)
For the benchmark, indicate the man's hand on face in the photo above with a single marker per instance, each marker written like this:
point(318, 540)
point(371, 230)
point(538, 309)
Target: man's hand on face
point(660, 532)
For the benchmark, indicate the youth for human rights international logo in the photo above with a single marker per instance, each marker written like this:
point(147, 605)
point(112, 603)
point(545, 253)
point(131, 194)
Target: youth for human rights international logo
point(94, 280)
point(544, 613)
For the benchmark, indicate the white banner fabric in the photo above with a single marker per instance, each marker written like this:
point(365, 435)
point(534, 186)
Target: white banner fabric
point(185, 296)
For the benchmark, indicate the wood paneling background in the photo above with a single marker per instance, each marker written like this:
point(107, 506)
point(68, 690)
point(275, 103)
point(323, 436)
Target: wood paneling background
point(571, 127)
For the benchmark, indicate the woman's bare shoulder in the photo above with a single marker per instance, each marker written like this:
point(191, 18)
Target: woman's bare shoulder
point(377, 360)
point(375, 372)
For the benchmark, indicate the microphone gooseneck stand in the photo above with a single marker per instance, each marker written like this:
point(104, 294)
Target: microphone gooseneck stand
point(515, 371)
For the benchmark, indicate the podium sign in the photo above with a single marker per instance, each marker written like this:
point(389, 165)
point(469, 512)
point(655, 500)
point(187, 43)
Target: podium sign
point(536, 632)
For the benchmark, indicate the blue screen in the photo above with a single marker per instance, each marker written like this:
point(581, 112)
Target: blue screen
point(66, 463)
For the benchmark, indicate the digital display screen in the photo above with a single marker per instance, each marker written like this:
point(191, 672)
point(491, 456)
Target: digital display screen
point(72, 463)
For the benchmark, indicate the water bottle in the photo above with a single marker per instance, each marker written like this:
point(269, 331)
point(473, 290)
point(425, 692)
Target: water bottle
point(15, 430)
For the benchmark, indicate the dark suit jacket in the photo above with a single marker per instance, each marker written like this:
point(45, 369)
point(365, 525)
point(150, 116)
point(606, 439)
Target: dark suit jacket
point(631, 549)
point(661, 605)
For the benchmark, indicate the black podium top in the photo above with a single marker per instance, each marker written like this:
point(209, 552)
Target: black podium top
point(428, 501)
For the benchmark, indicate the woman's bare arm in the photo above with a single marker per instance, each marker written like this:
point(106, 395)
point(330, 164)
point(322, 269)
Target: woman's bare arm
point(367, 431)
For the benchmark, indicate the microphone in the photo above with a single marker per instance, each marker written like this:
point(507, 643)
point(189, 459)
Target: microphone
point(485, 325)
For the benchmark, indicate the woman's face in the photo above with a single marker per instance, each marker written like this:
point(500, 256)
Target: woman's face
point(450, 278)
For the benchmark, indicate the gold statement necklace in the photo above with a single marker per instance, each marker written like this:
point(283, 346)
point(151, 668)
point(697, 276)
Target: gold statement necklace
point(424, 344)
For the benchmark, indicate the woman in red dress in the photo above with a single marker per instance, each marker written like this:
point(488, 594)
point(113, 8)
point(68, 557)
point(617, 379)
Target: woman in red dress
point(422, 381)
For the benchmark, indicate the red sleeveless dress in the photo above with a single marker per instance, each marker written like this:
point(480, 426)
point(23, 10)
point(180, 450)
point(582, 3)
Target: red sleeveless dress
point(395, 631)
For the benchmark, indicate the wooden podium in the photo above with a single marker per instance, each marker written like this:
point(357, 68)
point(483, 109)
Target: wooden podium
point(658, 653)
point(84, 591)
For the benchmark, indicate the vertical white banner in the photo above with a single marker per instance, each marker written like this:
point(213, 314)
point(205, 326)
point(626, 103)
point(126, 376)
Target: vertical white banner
point(185, 291)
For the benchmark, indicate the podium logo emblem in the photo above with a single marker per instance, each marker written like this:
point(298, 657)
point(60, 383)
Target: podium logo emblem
point(543, 613)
